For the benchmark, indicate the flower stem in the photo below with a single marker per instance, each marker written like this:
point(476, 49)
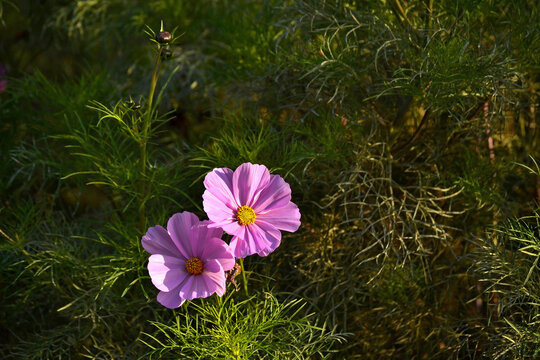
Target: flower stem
point(244, 278)
point(155, 76)
point(147, 120)
point(219, 301)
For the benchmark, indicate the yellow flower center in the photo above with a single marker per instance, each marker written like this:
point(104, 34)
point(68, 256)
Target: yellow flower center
point(245, 215)
point(194, 266)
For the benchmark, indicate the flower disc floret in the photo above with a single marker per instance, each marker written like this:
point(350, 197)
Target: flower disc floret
point(194, 266)
point(245, 215)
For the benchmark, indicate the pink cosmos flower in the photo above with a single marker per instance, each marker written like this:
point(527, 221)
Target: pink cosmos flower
point(251, 205)
point(188, 259)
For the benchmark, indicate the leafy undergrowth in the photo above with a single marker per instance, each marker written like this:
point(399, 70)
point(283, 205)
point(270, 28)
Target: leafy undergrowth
point(407, 131)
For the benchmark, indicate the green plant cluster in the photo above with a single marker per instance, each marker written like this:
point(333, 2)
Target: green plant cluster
point(407, 130)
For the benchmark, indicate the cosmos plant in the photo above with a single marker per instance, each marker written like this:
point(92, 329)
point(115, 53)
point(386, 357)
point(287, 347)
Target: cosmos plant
point(190, 260)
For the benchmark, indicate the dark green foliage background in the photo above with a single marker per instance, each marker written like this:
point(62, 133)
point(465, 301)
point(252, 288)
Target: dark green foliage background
point(419, 240)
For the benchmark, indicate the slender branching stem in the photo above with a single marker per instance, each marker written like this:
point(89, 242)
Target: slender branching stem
point(155, 76)
point(6, 236)
point(244, 278)
point(147, 120)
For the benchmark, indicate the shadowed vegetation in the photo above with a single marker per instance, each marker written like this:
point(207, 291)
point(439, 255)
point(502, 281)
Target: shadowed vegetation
point(408, 131)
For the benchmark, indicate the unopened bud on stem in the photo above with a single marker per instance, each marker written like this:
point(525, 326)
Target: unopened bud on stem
point(166, 53)
point(163, 37)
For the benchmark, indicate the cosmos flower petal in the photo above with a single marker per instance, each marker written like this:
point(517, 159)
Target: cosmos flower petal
point(170, 299)
point(216, 210)
point(220, 224)
point(201, 234)
point(276, 195)
point(157, 241)
point(200, 288)
point(247, 181)
point(207, 232)
point(186, 289)
point(271, 236)
point(238, 247)
point(265, 252)
point(215, 277)
point(166, 272)
point(217, 249)
point(233, 228)
point(179, 228)
point(195, 287)
point(286, 218)
point(256, 238)
point(218, 182)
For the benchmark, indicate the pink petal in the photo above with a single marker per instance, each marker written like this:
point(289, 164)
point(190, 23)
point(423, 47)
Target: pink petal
point(221, 224)
point(265, 252)
point(200, 234)
point(217, 249)
point(286, 218)
point(214, 277)
point(158, 241)
point(211, 233)
point(246, 245)
point(256, 238)
point(179, 228)
point(166, 272)
point(219, 183)
point(233, 228)
point(185, 289)
point(199, 289)
point(170, 299)
point(239, 248)
point(275, 195)
point(216, 210)
point(247, 181)
point(271, 235)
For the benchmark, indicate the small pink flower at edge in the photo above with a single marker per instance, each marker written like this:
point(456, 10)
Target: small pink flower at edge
point(188, 260)
point(252, 205)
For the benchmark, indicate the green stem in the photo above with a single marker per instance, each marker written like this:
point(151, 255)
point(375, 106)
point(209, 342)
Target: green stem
point(401, 12)
point(430, 11)
point(244, 278)
point(219, 302)
point(144, 140)
point(155, 76)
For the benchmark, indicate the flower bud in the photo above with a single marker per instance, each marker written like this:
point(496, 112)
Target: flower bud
point(166, 53)
point(163, 37)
